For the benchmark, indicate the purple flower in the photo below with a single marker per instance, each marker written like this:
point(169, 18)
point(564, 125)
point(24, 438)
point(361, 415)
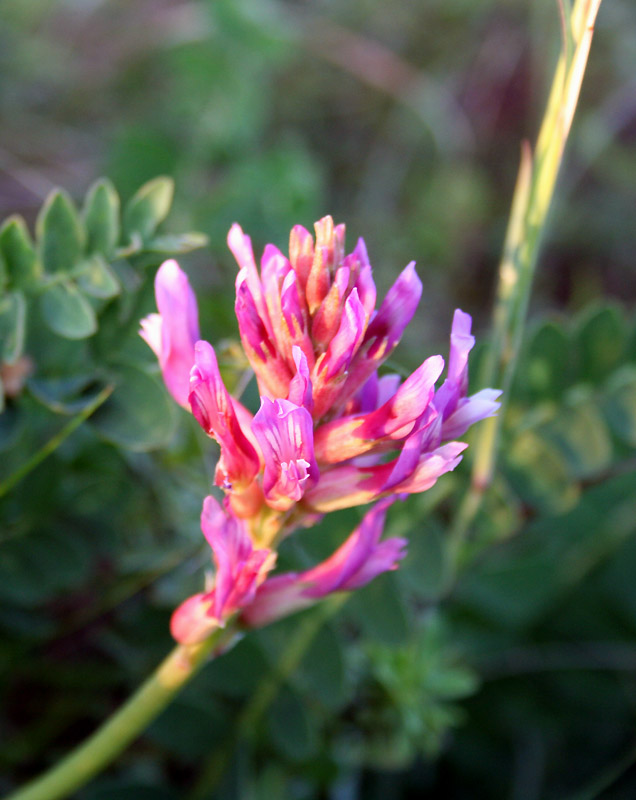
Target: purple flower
point(330, 433)
point(240, 569)
point(285, 434)
point(172, 332)
point(356, 562)
point(458, 411)
point(216, 412)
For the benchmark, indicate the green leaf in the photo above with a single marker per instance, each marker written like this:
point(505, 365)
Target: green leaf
point(322, 671)
point(67, 312)
point(69, 553)
point(139, 416)
point(547, 363)
point(148, 208)
point(20, 580)
point(580, 433)
point(199, 724)
point(238, 673)
point(380, 610)
point(18, 253)
point(619, 404)
point(539, 473)
point(601, 339)
point(60, 234)
point(452, 682)
point(101, 218)
point(289, 726)
point(12, 324)
point(182, 243)
point(98, 279)
point(423, 569)
point(68, 395)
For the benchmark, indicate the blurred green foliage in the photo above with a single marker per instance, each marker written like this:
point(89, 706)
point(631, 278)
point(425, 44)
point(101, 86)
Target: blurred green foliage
point(404, 120)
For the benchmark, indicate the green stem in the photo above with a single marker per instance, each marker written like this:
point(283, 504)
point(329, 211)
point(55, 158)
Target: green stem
point(126, 724)
point(531, 203)
point(38, 457)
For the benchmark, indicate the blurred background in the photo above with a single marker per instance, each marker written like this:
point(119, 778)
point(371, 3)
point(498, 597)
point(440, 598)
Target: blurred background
point(405, 121)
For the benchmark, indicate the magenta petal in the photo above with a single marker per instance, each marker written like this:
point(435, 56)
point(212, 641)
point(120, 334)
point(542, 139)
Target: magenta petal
point(456, 383)
point(349, 437)
point(407, 404)
point(301, 254)
point(429, 468)
point(345, 343)
point(383, 558)
point(275, 268)
point(395, 313)
point(285, 435)
point(215, 411)
point(470, 410)
point(173, 332)
point(294, 314)
point(341, 570)
point(300, 389)
point(386, 328)
point(231, 546)
point(277, 597)
point(365, 399)
point(269, 365)
point(290, 305)
point(407, 461)
point(255, 331)
point(192, 621)
point(357, 561)
point(239, 568)
point(364, 282)
point(241, 247)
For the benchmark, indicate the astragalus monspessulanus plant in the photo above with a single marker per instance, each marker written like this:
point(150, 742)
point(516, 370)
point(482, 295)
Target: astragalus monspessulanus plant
point(333, 430)
point(330, 432)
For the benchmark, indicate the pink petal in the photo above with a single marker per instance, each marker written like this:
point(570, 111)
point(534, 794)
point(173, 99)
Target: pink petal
point(356, 562)
point(214, 410)
point(301, 254)
point(300, 388)
point(173, 332)
point(456, 383)
point(470, 410)
point(350, 437)
point(192, 621)
point(285, 434)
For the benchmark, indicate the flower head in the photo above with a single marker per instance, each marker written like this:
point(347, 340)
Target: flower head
point(330, 432)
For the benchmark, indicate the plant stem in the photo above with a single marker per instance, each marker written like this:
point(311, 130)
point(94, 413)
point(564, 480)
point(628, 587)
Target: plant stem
point(531, 202)
point(126, 724)
point(54, 442)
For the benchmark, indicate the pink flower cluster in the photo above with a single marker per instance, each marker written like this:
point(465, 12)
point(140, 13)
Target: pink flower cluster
point(330, 433)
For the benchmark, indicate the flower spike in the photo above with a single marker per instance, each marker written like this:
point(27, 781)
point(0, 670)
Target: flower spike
point(331, 433)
